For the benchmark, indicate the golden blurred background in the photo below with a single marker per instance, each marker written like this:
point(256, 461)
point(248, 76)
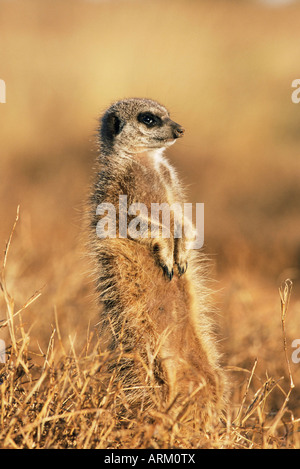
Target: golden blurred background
point(224, 69)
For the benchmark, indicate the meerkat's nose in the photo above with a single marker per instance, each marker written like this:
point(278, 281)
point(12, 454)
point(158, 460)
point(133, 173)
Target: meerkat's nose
point(178, 131)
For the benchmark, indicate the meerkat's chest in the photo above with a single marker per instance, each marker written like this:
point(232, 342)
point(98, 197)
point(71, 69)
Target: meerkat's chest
point(155, 177)
point(166, 175)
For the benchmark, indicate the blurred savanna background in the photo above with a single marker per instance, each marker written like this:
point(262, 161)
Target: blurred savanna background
point(224, 69)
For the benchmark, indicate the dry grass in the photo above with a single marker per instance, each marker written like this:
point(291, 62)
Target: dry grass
point(224, 69)
point(59, 398)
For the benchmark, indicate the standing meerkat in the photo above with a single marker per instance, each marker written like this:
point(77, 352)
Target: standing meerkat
point(154, 302)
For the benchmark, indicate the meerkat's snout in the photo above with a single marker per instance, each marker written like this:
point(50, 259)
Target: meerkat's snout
point(178, 131)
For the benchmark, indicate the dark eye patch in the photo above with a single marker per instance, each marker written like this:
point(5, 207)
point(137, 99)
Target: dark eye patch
point(149, 119)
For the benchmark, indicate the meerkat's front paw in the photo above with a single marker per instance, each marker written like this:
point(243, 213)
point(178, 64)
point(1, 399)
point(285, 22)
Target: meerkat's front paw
point(163, 251)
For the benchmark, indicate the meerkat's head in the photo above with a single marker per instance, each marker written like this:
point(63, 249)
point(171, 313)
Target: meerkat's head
point(137, 125)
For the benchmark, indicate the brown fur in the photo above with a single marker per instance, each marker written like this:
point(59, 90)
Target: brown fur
point(155, 305)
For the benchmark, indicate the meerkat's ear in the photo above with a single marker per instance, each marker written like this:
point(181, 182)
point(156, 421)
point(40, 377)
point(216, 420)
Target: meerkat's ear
point(111, 125)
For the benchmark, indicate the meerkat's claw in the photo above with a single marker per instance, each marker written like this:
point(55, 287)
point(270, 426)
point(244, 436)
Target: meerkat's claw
point(182, 268)
point(168, 273)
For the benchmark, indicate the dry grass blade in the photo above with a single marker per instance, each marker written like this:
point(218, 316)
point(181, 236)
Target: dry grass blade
point(259, 398)
point(7, 297)
point(285, 294)
point(237, 420)
point(285, 291)
point(9, 243)
point(33, 298)
point(278, 416)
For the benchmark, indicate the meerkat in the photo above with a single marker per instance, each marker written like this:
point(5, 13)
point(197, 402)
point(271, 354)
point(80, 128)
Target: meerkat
point(154, 302)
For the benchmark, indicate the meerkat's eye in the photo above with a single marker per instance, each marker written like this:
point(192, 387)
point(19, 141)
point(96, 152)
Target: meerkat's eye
point(149, 119)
